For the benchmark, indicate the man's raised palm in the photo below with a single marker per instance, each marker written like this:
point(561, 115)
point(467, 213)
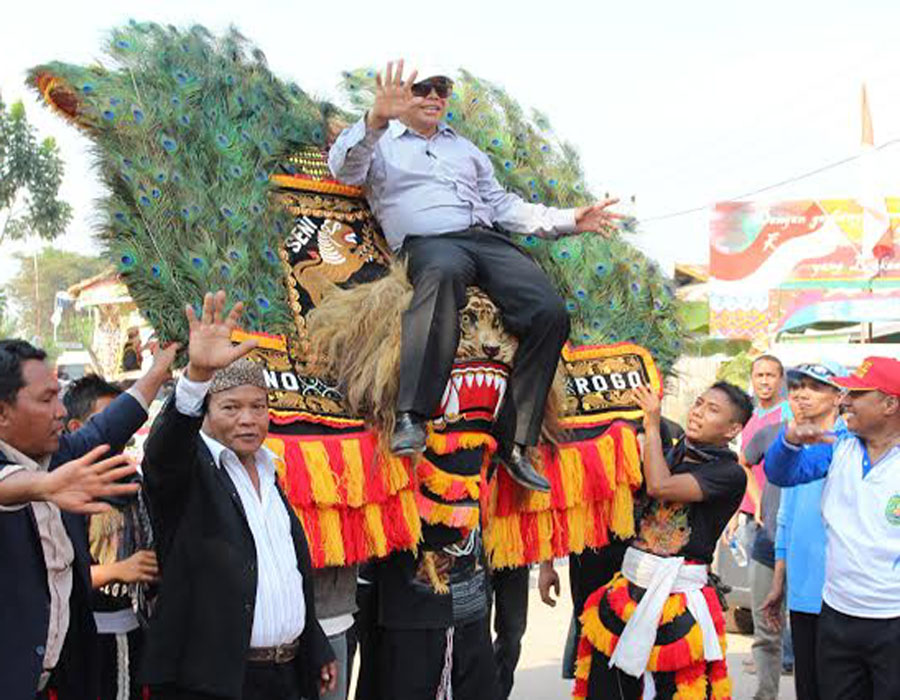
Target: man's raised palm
point(393, 95)
point(210, 346)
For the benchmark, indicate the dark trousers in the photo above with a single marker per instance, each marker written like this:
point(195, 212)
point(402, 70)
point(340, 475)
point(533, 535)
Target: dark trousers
point(262, 681)
point(804, 629)
point(510, 588)
point(368, 635)
point(412, 661)
point(858, 658)
point(440, 268)
point(111, 658)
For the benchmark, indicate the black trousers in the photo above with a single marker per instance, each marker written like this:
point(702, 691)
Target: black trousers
point(858, 658)
point(804, 630)
point(110, 660)
point(440, 268)
point(368, 635)
point(262, 681)
point(412, 661)
point(510, 588)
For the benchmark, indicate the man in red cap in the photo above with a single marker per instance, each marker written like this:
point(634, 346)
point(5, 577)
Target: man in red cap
point(859, 627)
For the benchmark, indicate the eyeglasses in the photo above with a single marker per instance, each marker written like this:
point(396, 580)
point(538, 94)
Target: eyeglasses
point(442, 86)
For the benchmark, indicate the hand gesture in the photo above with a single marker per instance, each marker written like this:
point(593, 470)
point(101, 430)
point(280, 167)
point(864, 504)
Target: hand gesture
point(597, 218)
point(547, 579)
point(393, 96)
point(210, 347)
point(328, 678)
point(77, 486)
point(807, 434)
point(649, 402)
point(140, 567)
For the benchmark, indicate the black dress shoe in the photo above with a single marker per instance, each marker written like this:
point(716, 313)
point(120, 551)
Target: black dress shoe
point(522, 471)
point(408, 437)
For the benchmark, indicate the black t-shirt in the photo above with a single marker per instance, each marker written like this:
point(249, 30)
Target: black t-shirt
point(691, 530)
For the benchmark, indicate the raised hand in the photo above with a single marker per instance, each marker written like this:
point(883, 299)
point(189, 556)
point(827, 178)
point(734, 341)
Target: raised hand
point(393, 96)
point(597, 218)
point(78, 486)
point(650, 404)
point(210, 347)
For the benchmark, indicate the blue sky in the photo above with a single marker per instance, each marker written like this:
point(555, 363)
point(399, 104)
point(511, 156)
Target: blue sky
point(681, 104)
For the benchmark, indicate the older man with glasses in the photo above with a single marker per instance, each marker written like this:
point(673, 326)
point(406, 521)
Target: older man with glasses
point(441, 208)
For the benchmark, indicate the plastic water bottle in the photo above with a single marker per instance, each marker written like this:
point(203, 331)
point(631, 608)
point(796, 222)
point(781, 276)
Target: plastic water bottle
point(738, 552)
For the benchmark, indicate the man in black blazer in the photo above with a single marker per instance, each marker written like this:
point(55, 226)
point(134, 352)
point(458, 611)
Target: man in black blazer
point(47, 632)
point(235, 616)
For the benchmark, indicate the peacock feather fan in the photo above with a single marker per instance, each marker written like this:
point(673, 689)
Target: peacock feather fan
point(613, 292)
point(187, 128)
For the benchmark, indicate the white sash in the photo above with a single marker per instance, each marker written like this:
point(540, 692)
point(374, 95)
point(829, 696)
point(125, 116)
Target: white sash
point(661, 576)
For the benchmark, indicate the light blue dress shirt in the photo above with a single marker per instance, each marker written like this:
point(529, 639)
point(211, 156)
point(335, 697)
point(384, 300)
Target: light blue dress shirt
point(427, 186)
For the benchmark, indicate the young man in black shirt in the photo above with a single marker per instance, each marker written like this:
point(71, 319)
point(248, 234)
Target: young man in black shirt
point(658, 627)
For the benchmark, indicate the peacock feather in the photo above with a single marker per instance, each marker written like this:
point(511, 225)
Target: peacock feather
point(187, 128)
point(613, 292)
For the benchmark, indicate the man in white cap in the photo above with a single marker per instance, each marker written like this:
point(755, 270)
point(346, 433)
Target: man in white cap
point(441, 208)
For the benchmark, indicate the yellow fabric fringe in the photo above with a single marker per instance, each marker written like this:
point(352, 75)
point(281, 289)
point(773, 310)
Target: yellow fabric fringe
point(691, 691)
point(632, 458)
point(721, 689)
point(411, 514)
point(572, 472)
point(674, 606)
point(354, 473)
point(622, 520)
point(375, 530)
point(440, 482)
point(321, 478)
point(397, 476)
point(332, 541)
point(606, 446)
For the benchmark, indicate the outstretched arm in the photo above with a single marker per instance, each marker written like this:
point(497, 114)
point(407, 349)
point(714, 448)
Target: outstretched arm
point(123, 417)
point(800, 454)
point(77, 486)
point(516, 215)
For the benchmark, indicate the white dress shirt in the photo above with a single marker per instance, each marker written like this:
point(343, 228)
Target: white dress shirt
point(426, 186)
point(280, 612)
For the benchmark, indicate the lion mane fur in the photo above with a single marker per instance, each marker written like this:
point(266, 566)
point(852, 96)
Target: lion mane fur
point(354, 336)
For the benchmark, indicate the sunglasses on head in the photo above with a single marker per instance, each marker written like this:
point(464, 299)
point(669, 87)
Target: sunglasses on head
point(442, 86)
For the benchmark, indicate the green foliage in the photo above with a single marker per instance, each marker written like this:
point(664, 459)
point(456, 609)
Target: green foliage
point(612, 291)
point(188, 128)
point(35, 286)
point(30, 175)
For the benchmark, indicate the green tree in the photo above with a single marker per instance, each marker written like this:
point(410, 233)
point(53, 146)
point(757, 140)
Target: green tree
point(35, 286)
point(30, 175)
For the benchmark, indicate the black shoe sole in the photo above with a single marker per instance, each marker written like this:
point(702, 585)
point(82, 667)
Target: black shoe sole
point(407, 451)
point(527, 484)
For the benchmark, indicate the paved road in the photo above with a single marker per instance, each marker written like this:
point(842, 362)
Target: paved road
point(538, 677)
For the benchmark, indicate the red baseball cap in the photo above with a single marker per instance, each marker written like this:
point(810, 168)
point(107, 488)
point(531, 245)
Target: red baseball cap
point(874, 374)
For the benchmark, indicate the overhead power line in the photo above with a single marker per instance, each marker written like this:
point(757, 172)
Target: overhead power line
point(766, 188)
